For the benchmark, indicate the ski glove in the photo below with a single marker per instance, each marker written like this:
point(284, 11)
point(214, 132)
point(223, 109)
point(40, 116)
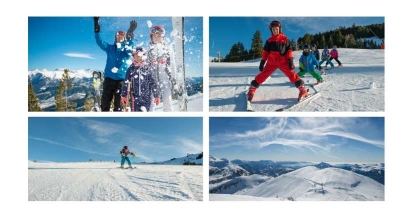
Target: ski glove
point(261, 65)
point(157, 101)
point(97, 27)
point(130, 32)
point(124, 100)
point(291, 65)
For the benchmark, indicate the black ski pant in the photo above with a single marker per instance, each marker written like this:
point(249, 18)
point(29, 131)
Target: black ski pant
point(111, 88)
point(337, 60)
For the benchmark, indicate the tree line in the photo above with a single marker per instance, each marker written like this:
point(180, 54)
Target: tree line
point(343, 37)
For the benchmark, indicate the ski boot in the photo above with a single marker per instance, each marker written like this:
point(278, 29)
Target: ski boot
point(251, 92)
point(303, 92)
point(340, 65)
point(122, 166)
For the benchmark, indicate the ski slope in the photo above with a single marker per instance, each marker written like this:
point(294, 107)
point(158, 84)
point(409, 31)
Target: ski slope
point(357, 86)
point(107, 182)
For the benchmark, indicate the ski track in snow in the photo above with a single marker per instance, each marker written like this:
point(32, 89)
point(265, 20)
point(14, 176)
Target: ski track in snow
point(345, 89)
point(108, 182)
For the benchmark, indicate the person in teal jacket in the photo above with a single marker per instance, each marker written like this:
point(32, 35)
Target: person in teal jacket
point(307, 64)
point(118, 61)
point(124, 156)
point(326, 57)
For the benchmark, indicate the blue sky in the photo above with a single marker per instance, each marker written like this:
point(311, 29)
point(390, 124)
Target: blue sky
point(226, 31)
point(69, 42)
point(315, 139)
point(70, 139)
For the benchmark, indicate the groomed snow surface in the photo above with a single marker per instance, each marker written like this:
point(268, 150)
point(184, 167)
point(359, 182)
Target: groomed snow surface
point(357, 86)
point(108, 182)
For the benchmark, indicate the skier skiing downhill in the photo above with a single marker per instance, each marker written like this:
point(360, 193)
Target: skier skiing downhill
point(140, 81)
point(124, 156)
point(118, 61)
point(277, 53)
point(161, 60)
point(325, 57)
point(307, 63)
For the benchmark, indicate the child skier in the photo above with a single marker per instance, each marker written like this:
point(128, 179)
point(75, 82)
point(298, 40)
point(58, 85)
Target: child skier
point(315, 51)
point(277, 53)
point(326, 57)
point(140, 83)
point(307, 64)
point(161, 60)
point(334, 54)
point(124, 156)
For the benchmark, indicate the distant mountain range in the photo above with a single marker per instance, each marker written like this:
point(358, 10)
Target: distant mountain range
point(190, 159)
point(45, 84)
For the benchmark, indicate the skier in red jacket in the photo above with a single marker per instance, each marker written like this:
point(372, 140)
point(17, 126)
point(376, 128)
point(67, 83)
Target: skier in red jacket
point(277, 53)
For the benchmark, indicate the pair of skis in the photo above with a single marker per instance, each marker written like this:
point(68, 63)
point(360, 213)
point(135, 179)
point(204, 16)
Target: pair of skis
point(249, 106)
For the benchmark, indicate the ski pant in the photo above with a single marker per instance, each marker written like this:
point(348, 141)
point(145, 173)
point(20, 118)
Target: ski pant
point(337, 60)
point(164, 84)
point(138, 103)
point(270, 68)
point(311, 72)
point(123, 159)
point(111, 88)
point(327, 62)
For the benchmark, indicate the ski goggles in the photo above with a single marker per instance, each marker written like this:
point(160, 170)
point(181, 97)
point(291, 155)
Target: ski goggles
point(306, 50)
point(274, 24)
point(158, 30)
point(120, 33)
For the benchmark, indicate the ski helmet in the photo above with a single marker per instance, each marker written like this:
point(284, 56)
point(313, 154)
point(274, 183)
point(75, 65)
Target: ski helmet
point(325, 47)
point(314, 45)
point(97, 74)
point(125, 147)
point(275, 23)
point(157, 30)
point(140, 51)
point(306, 50)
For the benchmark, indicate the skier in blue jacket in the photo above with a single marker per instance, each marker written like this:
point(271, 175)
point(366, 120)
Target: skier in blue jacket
point(140, 83)
point(307, 64)
point(124, 156)
point(118, 61)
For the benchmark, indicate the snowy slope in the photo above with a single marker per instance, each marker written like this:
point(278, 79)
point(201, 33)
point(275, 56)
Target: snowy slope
point(108, 182)
point(311, 183)
point(345, 89)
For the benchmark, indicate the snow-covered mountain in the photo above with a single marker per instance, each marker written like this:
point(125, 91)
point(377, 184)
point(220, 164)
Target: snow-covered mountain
point(45, 84)
point(312, 183)
point(238, 176)
point(357, 86)
point(190, 159)
point(108, 182)
point(237, 184)
point(223, 169)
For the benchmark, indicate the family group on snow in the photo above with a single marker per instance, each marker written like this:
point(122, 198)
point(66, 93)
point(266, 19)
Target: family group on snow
point(277, 53)
point(135, 75)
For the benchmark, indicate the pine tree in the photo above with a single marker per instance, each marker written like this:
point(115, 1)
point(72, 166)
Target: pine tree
point(32, 99)
point(62, 104)
point(339, 38)
point(322, 42)
point(257, 45)
point(88, 102)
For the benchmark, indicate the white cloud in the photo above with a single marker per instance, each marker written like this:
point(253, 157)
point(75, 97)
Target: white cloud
point(79, 55)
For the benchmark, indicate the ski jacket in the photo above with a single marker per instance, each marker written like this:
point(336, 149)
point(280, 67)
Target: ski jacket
point(307, 63)
point(126, 153)
point(325, 54)
point(142, 82)
point(334, 53)
point(161, 57)
point(277, 50)
point(118, 57)
point(316, 53)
